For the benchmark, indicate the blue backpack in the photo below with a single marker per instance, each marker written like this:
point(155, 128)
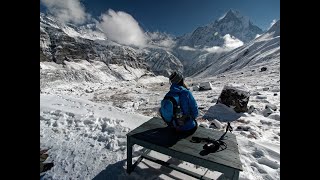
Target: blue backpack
point(170, 110)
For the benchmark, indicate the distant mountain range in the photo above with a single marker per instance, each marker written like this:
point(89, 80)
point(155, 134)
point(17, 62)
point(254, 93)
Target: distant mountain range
point(265, 48)
point(200, 52)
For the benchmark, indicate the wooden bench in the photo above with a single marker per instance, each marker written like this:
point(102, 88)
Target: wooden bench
point(154, 135)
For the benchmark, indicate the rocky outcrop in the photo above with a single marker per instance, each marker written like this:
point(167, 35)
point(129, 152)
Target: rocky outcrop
point(236, 97)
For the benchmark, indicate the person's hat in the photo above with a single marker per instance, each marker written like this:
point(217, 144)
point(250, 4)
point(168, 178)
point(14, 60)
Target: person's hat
point(175, 77)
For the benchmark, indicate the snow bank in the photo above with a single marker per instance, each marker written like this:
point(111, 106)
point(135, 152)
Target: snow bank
point(87, 139)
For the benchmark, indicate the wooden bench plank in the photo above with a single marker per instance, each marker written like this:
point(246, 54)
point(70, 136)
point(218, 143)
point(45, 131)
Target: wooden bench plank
point(154, 135)
point(229, 159)
point(226, 156)
point(185, 157)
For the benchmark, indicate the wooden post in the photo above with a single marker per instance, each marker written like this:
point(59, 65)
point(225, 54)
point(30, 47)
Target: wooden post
point(129, 155)
point(233, 176)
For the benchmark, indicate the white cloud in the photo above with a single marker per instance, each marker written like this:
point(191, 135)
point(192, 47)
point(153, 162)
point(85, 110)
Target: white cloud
point(187, 48)
point(122, 28)
point(231, 42)
point(215, 49)
point(272, 23)
point(67, 10)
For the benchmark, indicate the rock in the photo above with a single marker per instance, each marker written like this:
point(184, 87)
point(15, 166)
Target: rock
point(205, 86)
point(266, 112)
point(214, 100)
point(275, 89)
point(196, 88)
point(251, 109)
point(265, 89)
point(271, 106)
point(275, 116)
point(243, 128)
point(215, 124)
point(263, 69)
point(235, 96)
point(255, 93)
point(275, 94)
point(266, 122)
point(261, 97)
point(89, 90)
point(202, 86)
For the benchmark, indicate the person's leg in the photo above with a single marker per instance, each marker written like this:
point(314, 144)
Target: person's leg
point(169, 124)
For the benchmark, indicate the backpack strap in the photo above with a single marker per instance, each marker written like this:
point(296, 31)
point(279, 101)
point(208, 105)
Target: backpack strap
point(175, 104)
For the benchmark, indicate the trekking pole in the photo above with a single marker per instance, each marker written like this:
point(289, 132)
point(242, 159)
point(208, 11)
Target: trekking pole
point(229, 128)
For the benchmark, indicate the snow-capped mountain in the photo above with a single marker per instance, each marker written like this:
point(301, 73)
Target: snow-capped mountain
point(87, 31)
point(214, 40)
point(61, 43)
point(232, 23)
point(265, 49)
point(165, 53)
point(70, 54)
point(159, 39)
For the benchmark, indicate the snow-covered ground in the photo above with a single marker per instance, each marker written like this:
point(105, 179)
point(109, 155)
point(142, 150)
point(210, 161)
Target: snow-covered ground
point(84, 124)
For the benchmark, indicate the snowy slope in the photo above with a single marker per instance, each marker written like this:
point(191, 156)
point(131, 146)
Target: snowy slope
point(63, 43)
point(262, 50)
point(84, 125)
point(162, 62)
point(88, 31)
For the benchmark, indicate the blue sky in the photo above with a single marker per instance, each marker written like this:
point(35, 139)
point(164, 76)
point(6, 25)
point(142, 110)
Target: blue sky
point(180, 16)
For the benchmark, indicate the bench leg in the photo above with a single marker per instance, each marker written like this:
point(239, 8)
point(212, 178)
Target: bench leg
point(129, 155)
point(235, 175)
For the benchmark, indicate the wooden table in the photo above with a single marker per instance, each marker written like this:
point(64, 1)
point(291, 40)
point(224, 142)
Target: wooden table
point(154, 135)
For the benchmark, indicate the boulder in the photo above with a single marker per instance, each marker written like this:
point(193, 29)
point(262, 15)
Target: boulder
point(266, 112)
point(275, 116)
point(235, 96)
point(271, 106)
point(205, 86)
point(251, 109)
point(195, 88)
point(89, 90)
point(215, 124)
point(263, 69)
